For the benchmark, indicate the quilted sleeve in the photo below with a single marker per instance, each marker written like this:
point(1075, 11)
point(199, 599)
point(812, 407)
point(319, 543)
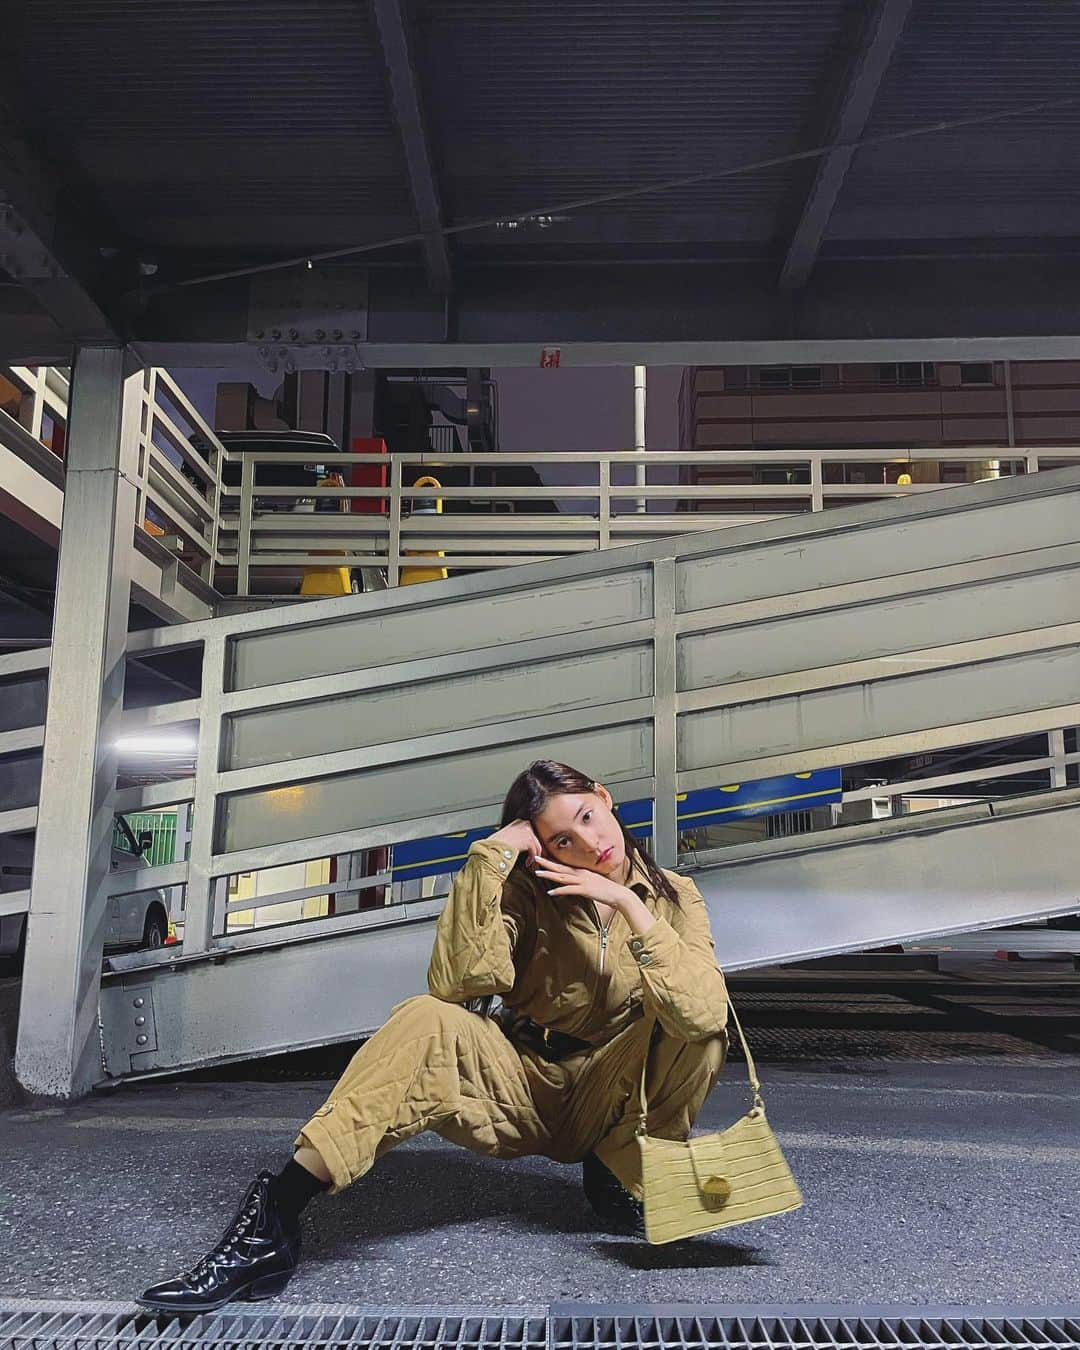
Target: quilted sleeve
point(682, 985)
point(479, 928)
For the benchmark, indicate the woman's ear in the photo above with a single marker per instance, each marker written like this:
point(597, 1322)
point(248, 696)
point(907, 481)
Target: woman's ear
point(604, 795)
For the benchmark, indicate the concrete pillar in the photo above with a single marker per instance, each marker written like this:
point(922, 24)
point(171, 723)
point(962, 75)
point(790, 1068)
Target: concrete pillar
point(58, 1052)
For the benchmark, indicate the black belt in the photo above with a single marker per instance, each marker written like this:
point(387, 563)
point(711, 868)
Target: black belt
point(547, 1043)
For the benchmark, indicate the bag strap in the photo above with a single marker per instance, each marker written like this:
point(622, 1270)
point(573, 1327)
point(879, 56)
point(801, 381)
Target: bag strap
point(751, 1068)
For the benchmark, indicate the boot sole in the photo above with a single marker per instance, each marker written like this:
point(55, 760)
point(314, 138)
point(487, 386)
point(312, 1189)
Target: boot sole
point(267, 1286)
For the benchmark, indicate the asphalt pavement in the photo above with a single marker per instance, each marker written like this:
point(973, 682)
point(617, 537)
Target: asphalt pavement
point(938, 1171)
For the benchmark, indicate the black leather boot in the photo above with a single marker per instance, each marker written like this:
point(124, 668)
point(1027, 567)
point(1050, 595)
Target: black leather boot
point(610, 1200)
point(254, 1258)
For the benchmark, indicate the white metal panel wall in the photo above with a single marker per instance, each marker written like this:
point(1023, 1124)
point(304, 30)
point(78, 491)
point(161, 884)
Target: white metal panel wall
point(451, 786)
point(947, 619)
point(926, 617)
point(868, 542)
point(440, 621)
point(453, 703)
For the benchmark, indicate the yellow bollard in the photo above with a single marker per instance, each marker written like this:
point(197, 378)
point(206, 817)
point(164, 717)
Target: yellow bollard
point(410, 576)
point(328, 580)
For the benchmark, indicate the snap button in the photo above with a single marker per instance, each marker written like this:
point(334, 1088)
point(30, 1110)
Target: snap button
point(508, 854)
point(502, 867)
point(644, 959)
point(636, 944)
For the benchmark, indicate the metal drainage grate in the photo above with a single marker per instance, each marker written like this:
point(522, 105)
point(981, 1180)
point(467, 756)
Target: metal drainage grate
point(809, 1329)
point(38, 1326)
point(68, 1327)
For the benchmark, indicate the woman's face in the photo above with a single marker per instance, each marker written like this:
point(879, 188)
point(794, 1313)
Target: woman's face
point(581, 831)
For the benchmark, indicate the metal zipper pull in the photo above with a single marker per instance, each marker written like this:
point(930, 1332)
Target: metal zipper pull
point(603, 948)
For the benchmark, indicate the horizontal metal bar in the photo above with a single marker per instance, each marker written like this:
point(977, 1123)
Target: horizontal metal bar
point(22, 663)
point(804, 526)
point(18, 820)
point(531, 650)
point(708, 492)
point(868, 832)
point(840, 755)
point(925, 580)
point(1003, 939)
point(169, 476)
point(305, 893)
point(14, 902)
point(137, 879)
point(773, 456)
point(322, 527)
point(154, 795)
point(389, 832)
point(548, 491)
point(417, 559)
point(192, 529)
point(185, 405)
point(160, 715)
point(270, 936)
point(917, 786)
point(433, 746)
point(182, 445)
point(21, 740)
point(449, 493)
point(273, 936)
point(975, 651)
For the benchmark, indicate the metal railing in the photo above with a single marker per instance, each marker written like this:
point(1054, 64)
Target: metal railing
point(599, 509)
point(219, 532)
point(178, 480)
point(309, 720)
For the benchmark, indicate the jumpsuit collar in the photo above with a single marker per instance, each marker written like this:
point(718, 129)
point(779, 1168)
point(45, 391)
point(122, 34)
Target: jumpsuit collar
point(640, 883)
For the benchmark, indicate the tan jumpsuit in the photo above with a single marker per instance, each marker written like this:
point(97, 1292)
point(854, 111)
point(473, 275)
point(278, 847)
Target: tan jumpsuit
point(436, 1065)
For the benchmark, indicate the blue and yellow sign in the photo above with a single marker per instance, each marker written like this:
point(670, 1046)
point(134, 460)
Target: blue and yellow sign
point(708, 806)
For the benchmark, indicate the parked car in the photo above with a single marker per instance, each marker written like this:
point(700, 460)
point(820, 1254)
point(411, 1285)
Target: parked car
point(133, 922)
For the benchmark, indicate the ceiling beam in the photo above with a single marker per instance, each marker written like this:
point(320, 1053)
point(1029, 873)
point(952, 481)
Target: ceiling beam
point(28, 209)
point(873, 310)
point(409, 116)
point(881, 32)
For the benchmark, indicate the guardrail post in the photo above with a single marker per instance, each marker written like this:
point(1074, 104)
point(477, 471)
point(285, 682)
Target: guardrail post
point(213, 498)
point(393, 546)
point(665, 711)
point(37, 402)
point(59, 1053)
point(1059, 773)
point(817, 484)
point(243, 538)
point(605, 503)
point(199, 897)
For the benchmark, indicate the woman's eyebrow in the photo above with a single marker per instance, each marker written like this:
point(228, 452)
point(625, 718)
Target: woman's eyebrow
point(558, 832)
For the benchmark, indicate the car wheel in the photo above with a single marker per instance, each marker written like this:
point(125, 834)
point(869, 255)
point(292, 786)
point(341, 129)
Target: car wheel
point(155, 931)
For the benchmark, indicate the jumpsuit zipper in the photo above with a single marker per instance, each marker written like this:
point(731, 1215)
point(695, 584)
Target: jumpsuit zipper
point(603, 934)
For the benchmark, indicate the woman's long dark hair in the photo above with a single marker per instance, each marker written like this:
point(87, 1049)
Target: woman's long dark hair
point(544, 778)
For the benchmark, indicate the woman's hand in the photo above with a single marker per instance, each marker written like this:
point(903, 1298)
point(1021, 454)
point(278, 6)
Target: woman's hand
point(521, 837)
point(580, 881)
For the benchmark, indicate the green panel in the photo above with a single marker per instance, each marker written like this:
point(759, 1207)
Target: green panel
point(162, 826)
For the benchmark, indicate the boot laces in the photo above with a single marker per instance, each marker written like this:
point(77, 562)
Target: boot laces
point(239, 1229)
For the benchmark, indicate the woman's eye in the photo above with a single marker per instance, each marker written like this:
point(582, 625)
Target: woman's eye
point(585, 818)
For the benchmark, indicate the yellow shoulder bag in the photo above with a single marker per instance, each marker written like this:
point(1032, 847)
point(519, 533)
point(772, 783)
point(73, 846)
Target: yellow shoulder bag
point(717, 1180)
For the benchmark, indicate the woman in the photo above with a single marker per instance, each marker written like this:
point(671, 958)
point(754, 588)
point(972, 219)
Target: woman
point(591, 945)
